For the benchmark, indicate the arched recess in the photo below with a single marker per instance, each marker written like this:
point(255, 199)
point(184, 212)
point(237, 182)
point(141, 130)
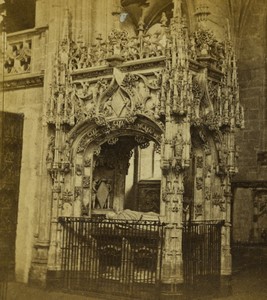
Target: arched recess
point(203, 182)
point(100, 157)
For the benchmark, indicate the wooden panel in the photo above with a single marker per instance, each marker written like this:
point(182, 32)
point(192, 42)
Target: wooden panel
point(11, 128)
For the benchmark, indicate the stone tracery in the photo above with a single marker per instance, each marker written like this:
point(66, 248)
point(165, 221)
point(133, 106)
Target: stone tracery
point(195, 90)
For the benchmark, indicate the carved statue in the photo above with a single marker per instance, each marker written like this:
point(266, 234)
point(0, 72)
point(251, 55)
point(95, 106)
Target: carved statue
point(50, 151)
point(178, 145)
point(128, 214)
point(66, 152)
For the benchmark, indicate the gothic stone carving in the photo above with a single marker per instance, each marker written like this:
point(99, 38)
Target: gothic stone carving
point(169, 99)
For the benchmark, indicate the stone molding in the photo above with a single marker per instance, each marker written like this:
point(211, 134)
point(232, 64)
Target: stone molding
point(250, 184)
point(22, 81)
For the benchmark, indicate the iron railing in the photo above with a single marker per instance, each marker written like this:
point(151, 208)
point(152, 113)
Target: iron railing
point(201, 251)
point(115, 256)
point(125, 257)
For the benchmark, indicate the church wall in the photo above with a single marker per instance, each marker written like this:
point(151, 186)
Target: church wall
point(28, 103)
point(252, 80)
point(242, 226)
point(89, 17)
point(252, 144)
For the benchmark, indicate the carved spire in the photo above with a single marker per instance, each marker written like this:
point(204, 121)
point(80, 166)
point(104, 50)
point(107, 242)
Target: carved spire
point(66, 26)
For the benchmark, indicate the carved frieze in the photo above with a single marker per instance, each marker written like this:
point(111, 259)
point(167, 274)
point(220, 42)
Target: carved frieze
point(90, 136)
point(22, 82)
point(142, 141)
point(119, 45)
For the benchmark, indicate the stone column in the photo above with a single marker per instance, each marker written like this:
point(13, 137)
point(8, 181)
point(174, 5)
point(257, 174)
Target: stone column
point(172, 197)
point(43, 230)
point(226, 257)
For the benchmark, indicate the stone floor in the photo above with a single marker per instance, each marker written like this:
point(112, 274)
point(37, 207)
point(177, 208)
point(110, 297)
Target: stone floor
point(249, 281)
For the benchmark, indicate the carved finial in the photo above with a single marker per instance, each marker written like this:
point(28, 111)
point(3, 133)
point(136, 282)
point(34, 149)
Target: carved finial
point(141, 24)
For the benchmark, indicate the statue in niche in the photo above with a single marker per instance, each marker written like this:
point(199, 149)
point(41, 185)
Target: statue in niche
point(66, 152)
point(186, 211)
point(50, 151)
point(169, 188)
point(108, 202)
point(178, 146)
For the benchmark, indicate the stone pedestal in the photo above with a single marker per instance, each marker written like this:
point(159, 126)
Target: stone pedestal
point(38, 270)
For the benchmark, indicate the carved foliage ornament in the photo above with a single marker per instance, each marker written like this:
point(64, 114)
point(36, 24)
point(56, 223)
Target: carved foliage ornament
point(218, 200)
point(118, 45)
point(124, 96)
point(67, 197)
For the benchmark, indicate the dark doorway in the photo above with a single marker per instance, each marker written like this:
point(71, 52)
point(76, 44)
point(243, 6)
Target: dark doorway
point(11, 129)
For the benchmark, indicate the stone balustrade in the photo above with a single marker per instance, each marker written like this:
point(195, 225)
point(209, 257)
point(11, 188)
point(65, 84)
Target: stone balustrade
point(18, 57)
